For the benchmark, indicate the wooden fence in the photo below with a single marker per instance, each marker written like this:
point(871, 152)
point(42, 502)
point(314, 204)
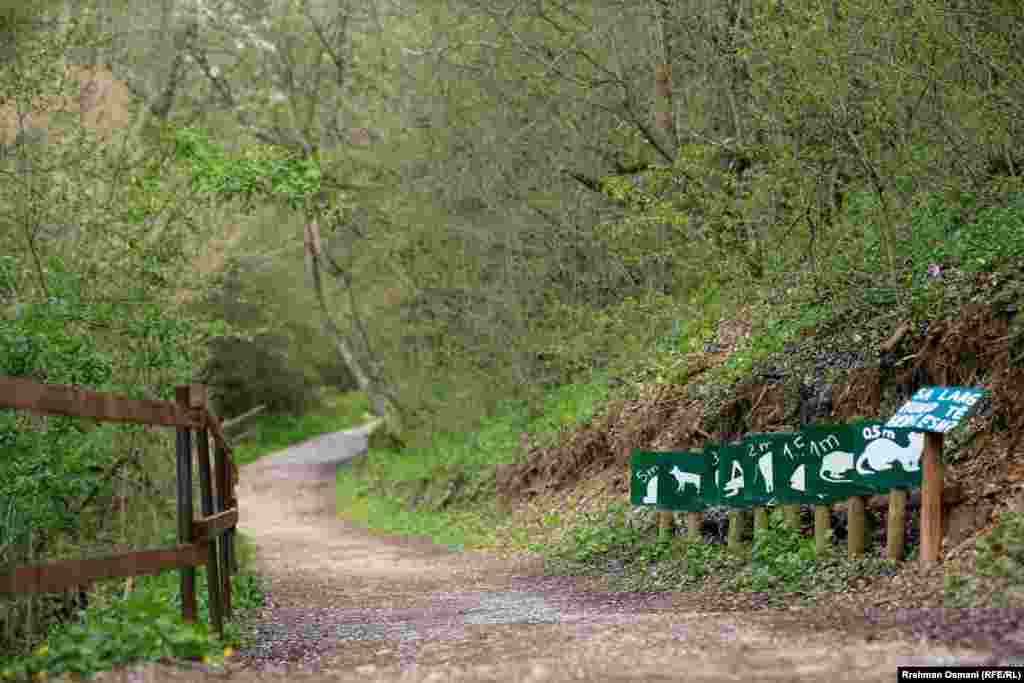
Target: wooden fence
point(206, 540)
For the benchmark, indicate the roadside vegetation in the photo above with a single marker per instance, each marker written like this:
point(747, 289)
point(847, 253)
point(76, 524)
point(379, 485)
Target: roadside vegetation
point(120, 628)
point(484, 219)
point(334, 411)
point(446, 491)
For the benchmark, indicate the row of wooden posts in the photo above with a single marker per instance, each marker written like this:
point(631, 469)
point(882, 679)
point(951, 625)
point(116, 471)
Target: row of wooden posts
point(931, 516)
point(207, 540)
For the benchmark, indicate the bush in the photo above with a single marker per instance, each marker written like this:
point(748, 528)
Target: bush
point(781, 558)
point(609, 535)
point(1001, 553)
point(249, 373)
point(144, 627)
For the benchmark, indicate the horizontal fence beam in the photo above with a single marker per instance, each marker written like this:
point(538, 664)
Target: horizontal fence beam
point(59, 399)
point(56, 576)
point(236, 421)
point(205, 528)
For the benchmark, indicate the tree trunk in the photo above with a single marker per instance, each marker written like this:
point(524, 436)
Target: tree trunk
point(664, 105)
point(382, 405)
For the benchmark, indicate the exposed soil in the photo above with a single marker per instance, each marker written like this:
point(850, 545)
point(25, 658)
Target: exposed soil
point(348, 605)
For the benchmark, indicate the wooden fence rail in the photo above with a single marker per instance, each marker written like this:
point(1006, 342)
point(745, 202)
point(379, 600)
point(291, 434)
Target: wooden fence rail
point(207, 540)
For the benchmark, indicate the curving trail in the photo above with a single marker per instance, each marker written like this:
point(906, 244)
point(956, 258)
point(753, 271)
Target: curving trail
point(348, 605)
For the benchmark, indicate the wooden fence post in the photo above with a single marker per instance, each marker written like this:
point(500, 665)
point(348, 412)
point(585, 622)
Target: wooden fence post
point(896, 525)
point(931, 498)
point(855, 519)
point(222, 502)
point(197, 399)
point(822, 527)
point(184, 487)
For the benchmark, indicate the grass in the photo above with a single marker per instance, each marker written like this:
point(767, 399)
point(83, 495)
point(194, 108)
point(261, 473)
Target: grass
point(445, 491)
point(337, 411)
point(458, 528)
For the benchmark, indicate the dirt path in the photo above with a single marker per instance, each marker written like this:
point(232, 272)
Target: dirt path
point(347, 605)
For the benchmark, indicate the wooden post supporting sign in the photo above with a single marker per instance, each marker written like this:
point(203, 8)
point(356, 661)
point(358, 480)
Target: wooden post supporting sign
point(935, 411)
point(736, 528)
point(760, 517)
point(931, 498)
point(896, 525)
point(693, 524)
point(822, 527)
point(666, 522)
point(855, 519)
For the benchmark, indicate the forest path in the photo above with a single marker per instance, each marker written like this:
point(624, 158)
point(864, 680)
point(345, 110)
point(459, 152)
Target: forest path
point(348, 605)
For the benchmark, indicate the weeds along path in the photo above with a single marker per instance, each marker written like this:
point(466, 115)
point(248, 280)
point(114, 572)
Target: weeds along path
point(347, 605)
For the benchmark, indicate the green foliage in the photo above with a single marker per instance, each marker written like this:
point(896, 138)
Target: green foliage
point(49, 468)
point(959, 589)
point(701, 559)
point(781, 559)
point(455, 528)
point(1001, 552)
point(273, 432)
point(444, 489)
point(261, 173)
point(141, 628)
point(147, 626)
point(974, 239)
point(775, 328)
point(599, 537)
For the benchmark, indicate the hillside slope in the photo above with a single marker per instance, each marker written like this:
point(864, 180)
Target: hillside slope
point(860, 363)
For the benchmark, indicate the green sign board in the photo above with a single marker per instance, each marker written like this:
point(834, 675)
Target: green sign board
point(673, 481)
point(688, 482)
point(734, 475)
point(936, 409)
point(646, 476)
point(820, 464)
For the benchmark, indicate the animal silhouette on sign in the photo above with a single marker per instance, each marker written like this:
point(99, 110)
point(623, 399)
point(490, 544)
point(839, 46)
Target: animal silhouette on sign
point(652, 491)
point(798, 481)
point(764, 464)
point(733, 486)
point(684, 478)
point(883, 454)
point(835, 465)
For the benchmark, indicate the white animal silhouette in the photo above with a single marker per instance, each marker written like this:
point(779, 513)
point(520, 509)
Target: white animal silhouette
point(836, 464)
point(684, 478)
point(882, 454)
point(765, 465)
point(799, 479)
point(733, 486)
point(652, 491)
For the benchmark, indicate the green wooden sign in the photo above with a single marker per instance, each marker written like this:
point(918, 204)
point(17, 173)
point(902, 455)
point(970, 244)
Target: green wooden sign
point(712, 493)
point(760, 463)
point(813, 466)
point(821, 464)
point(687, 482)
point(733, 475)
point(936, 409)
point(646, 477)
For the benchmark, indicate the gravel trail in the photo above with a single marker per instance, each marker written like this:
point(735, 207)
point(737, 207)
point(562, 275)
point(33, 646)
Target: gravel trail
point(348, 605)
